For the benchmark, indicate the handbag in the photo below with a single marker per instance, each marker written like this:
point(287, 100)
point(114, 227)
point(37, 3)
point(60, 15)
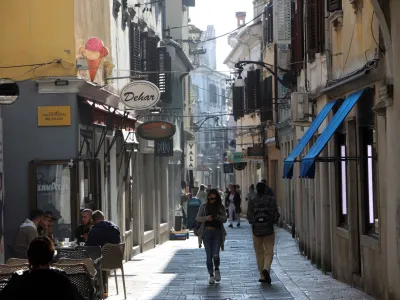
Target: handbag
point(197, 225)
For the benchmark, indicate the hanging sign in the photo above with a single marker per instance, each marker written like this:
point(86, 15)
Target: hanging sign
point(240, 166)
point(236, 157)
point(191, 156)
point(255, 154)
point(156, 130)
point(164, 148)
point(228, 168)
point(140, 94)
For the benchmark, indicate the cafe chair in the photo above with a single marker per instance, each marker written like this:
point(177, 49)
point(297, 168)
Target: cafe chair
point(112, 260)
point(86, 261)
point(94, 253)
point(6, 271)
point(17, 261)
point(78, 274)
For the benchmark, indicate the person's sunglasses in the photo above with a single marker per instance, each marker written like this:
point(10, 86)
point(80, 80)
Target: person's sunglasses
point(213, 198)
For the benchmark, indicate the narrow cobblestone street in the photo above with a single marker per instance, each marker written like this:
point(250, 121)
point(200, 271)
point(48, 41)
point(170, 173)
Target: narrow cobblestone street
point(176, 270)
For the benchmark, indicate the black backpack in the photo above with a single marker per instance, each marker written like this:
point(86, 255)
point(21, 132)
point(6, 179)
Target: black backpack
point(262, 224)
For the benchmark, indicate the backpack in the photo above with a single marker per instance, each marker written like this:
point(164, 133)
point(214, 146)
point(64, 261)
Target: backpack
point(262, 223)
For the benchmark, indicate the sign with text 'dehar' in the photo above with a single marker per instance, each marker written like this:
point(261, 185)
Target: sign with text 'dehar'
point(140, 95)
point(191, 156)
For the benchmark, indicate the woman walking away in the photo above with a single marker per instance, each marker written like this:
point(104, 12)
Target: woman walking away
point(212, 215)
point(262, 214)
point(233, 203)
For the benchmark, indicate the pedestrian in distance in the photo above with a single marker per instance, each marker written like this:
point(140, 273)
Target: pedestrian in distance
point(233, 202)
point(212, 216)
point(262, 214)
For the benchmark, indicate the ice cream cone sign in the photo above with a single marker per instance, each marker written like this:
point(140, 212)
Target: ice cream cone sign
point(94, 51)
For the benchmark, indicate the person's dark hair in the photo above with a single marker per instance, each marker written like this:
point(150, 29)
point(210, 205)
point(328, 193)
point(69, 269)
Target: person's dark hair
point(264, 181)
point(40, 251)
point(202, 187)
point(98, 214)
point(238, 186)
point(36, 213)
point(261, 188)
point(252, 187)
point(217, 195)
point(183, 184)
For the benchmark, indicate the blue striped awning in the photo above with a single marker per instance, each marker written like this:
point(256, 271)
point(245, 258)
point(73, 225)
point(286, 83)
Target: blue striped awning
point(308, 163)
point(289, 161)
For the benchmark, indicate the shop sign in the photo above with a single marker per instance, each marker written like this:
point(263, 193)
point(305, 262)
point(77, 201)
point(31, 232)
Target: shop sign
point(255, 154)
point(240, 166)
point(156, 130)
point(228, 168)
point(140, 95)
point(191, 155)
point(164, 148)
point(54, 116)
point(236, 157)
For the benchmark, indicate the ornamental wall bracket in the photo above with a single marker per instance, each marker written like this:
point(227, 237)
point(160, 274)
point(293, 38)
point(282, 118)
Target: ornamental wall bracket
point(336, 19)
point(385, 100)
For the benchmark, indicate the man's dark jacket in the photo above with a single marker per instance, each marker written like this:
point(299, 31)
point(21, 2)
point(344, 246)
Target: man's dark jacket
point(104, 232)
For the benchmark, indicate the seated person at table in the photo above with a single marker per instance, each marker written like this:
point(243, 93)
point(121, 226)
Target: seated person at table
point(82, 231)
point(40, 282)
point(28, 230)
point(103, 232)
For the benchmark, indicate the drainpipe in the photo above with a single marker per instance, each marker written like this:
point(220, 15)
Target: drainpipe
point(277, 145)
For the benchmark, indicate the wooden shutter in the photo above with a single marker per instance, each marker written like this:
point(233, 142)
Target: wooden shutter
point(143, 48)
point(134, 48)
point(238, 102)
point(297, 45)
point(315, 27)
point(253, 90)
point(268, 24)
point(267, 100)
point(164, 75)
point(333, 5)
point(152, 59)
point(283, 18)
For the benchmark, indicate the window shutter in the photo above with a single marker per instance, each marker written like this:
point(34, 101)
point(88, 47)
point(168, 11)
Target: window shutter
point(267, 100)
point(134, 48)
point(297, 45)
point(334, 5)
point(268, 24)
point(212, 93)
point(164, 75)
point(253, 90)
point(315, 27)
point(152, 59)
point(143, 47)
point(237, 101)
point(284, 14)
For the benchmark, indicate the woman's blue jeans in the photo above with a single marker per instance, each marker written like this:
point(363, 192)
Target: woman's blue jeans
point(212, 244)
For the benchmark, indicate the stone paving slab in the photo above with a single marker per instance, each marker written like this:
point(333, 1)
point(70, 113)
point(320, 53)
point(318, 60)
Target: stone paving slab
point(177, 270)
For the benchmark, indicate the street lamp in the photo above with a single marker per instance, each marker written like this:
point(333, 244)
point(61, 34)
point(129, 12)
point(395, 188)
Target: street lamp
point(288, 79)
point(195, 127)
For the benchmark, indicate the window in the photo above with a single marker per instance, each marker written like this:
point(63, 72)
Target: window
point(134, 48)
point(213, 94)
point(368, 164)
point(333, 5)
point(268, 24)
point(266, 104)
point(164, 81)
point(341, 178)
point(315, 27)
point(297, 38)
point(253, 90)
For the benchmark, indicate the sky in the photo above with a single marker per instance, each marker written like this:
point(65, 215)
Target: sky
point(222, 16)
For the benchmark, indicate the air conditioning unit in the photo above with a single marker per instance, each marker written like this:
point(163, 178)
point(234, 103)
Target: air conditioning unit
point(300, 107)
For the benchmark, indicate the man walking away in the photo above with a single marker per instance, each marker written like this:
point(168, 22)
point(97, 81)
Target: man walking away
point(28, 231)
point(202, 195)
point(262, 214)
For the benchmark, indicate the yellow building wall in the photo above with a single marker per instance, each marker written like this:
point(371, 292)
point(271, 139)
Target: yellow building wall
point(352, 43)
point(36, 32)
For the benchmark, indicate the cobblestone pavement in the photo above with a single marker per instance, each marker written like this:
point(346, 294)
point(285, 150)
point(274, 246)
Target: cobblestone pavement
point(176, 270)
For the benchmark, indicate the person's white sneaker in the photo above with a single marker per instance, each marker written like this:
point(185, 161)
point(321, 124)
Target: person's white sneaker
point(212, 280)
point(217, 275)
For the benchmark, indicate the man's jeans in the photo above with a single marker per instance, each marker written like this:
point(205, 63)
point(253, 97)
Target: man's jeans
point(212, 244)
